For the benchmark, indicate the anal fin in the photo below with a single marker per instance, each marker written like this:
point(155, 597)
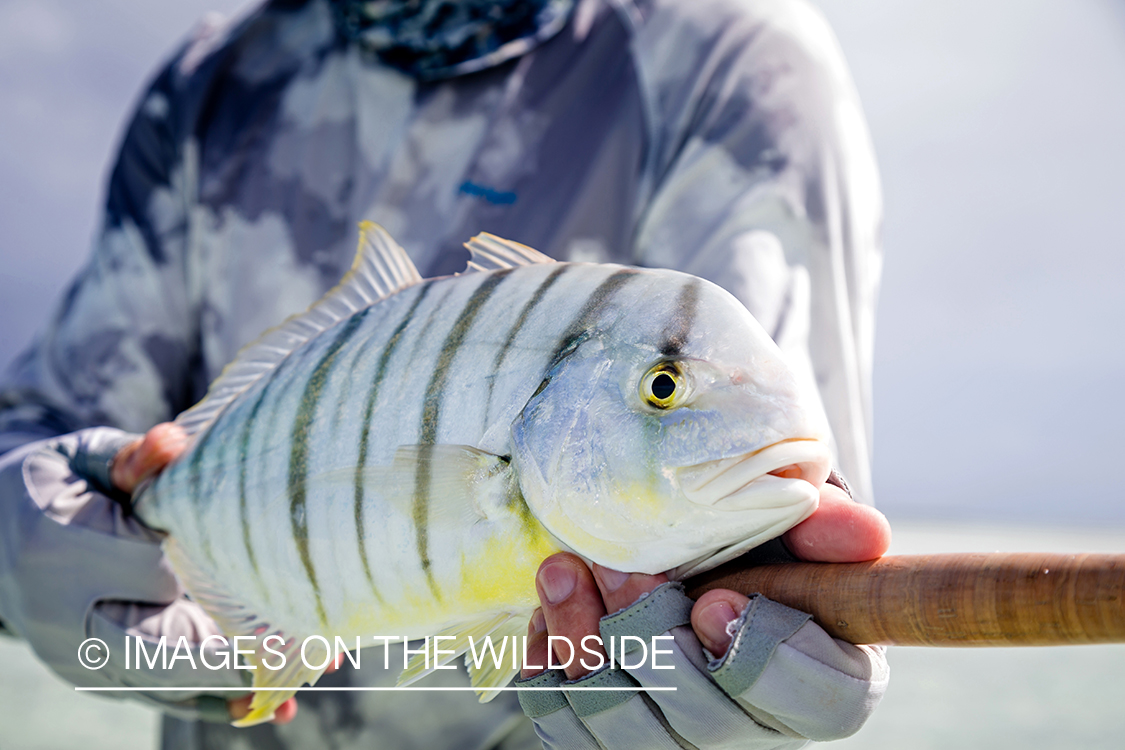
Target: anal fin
point(278, 667)
point(272, 687)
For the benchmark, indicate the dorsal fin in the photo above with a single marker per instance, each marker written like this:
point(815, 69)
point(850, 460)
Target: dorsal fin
point(491, 253)
point(381, 268)
point(381, 263)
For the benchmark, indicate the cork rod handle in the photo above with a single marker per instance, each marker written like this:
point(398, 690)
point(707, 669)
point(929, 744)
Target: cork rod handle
point(999, 599)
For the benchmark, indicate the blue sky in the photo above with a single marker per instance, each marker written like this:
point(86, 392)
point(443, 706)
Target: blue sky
point(997, 124)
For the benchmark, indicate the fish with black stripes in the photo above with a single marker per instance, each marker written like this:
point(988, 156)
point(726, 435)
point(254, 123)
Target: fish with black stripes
point(402, 456)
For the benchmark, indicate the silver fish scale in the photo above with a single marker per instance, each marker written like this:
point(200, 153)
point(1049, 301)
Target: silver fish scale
point(451, 361)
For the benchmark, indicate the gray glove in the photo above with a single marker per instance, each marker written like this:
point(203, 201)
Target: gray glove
point(74, 566)
point(782, 681)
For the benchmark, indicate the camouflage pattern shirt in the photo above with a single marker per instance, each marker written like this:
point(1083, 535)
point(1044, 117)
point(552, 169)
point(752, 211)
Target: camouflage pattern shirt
point(719, 137)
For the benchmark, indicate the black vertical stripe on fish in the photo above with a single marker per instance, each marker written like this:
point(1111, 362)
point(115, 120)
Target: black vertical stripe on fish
point(521, 319)
point(438, 310)
point(195, 470)
point(431, 414)
point(243, 457)
point(346, 387)
point(679, 327)
point(365, 435)
point(580, 326)
point(195, 482)
point(299, 453)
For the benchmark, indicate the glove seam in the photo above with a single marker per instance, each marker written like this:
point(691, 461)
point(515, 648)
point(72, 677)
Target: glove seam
point(586, 704)
point(752, 647)
point(539, 703)
point(664, 608)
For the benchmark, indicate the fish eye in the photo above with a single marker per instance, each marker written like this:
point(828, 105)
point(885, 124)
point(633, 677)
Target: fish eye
point(664, 386)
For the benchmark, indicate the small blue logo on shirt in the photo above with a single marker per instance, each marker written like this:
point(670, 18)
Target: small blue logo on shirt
point(493, 196)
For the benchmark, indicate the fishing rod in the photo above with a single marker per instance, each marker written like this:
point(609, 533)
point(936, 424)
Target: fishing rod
point(974, 599)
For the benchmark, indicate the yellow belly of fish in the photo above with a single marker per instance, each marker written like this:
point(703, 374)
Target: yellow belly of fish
point(498, 577)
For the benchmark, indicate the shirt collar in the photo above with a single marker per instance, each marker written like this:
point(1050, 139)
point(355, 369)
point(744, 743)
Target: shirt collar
point(433, 39)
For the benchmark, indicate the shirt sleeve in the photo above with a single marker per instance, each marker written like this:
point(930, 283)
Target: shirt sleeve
point(761, 178)
point(119, 352)
point(121, 348)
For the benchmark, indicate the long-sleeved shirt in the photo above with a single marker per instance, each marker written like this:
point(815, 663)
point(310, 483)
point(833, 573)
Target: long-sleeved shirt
point(719, 137)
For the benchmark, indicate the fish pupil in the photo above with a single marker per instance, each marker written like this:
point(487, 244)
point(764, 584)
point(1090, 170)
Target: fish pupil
point(663, 386)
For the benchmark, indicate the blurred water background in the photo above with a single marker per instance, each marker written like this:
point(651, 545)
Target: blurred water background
point(998, 406)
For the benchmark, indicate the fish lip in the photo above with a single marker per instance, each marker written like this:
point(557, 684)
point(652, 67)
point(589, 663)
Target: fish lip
point(743, 483)
point(703, 563)
point(735, 483)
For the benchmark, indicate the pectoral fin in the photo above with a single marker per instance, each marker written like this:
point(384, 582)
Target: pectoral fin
point(463, 484)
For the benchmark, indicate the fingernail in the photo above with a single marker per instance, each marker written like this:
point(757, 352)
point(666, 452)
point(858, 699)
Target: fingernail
point(712, 626)
point(557, 581)
point(611, 580)
point(538, 621)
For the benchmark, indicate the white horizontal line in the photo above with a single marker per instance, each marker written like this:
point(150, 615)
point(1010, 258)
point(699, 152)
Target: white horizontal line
point(354, 689)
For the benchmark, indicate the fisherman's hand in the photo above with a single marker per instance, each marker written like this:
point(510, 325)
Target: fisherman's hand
point(840, 530)
point(76, 566)
point(146, 457)
point(783, 681)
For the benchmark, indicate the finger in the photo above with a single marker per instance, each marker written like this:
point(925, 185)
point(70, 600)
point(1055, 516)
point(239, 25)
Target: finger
point(239, 707)
point(148, 456)
point(572, 607)
point(336, 664)
point(536, 645)
point(121, 471)
point(712, 616)
point(840, 530)
point(619, 590)
point(284, 714)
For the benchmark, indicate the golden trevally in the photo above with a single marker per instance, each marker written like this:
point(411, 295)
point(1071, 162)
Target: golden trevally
point(402, 456)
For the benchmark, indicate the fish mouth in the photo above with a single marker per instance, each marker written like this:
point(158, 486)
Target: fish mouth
point(764, 478)
point(781, 482)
